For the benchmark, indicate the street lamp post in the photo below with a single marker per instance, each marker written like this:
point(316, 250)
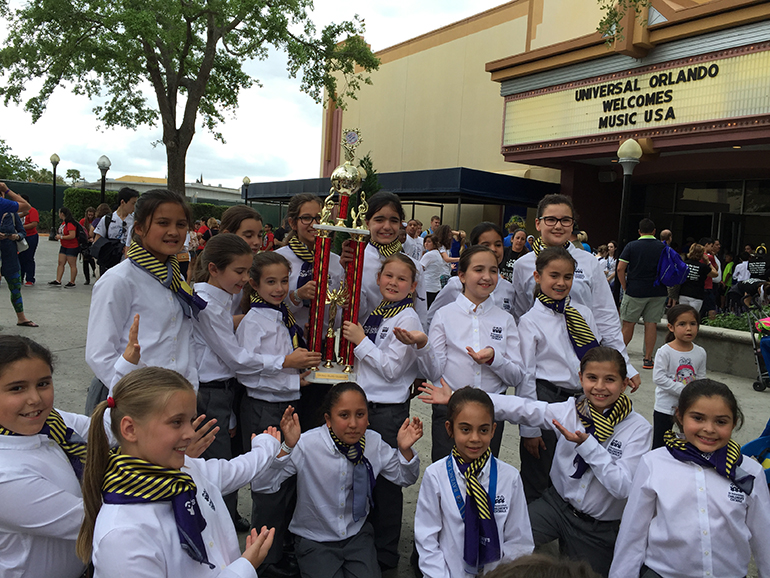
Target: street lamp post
point(104, 165)
point(629, 154)
point(245, 192)
point(52, 233)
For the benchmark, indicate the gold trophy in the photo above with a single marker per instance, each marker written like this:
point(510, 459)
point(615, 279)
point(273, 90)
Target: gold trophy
point(346, 181)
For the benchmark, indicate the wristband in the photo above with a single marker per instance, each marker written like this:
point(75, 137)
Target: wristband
point(285, 448)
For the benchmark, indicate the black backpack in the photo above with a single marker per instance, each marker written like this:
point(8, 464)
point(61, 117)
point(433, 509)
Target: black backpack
point(82, 236)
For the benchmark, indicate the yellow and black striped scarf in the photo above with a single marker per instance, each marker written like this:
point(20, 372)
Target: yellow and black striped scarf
point(474, 489)
point(66, 438)
point(132, 480)
point(385, 310)
point(297, 340)
point(726, 460)
point(579, 332)
point(387, 250)
point(538, 245)
point(598, 424)
point(300, 249)
point(363, 473)
point(168, 275)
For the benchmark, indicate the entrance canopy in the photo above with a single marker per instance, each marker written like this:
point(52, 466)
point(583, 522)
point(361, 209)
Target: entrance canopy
point(455, 185)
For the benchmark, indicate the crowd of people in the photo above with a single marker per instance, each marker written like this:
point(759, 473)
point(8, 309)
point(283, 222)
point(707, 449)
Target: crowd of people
point(145, 485)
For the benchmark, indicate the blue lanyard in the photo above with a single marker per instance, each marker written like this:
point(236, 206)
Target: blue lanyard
point(456, 489)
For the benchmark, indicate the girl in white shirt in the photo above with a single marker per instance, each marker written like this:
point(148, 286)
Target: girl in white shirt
point(149, 510)
point(554, 335)
point(148, 283)
point(678, 363)
point(472, 342)
point(471, 511)
point(697, 507)
point(336, 465)
point(303, 212)
point(386, 369)
point(269, 330)
point(434, 267)
point(220, 273)
point(491, 236)
point(602, 440)
point(42, 451)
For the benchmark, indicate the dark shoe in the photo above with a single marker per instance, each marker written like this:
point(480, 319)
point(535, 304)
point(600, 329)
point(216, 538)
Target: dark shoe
point(88, 282)
point(70, 284)
point(648, 364)
point(242, 524)
point(54, 282)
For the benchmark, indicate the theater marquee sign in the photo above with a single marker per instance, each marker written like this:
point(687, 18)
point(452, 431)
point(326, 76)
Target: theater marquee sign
point(677, 96)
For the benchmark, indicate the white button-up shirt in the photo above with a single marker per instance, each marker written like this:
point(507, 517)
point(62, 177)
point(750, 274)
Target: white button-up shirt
point(336, 274)
point(602, 490)
point(142, 541)
point(462, 324)
point(218, 353)
point(439, 530)
point(370, 292)
point(502, 296)
point(547, 351)
point(165, 334)
point(685, 520)
point(589, 288)
point(42, 506)
point(324, 511)
point(414, 247)
point(263, 333)
point(386, 367)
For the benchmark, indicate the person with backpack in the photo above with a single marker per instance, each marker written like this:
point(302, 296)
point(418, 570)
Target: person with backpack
point(115, 230)
point(644, 295)
point(70, 247)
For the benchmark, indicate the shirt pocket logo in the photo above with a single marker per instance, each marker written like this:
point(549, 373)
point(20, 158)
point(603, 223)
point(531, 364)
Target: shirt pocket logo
point(501, 507)
point(734, 494)
point(496, 334)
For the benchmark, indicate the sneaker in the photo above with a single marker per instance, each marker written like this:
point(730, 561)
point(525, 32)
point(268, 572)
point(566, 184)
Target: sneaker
point(54, 282)
point(70, 284)
point(29, 284)
point(647, 364)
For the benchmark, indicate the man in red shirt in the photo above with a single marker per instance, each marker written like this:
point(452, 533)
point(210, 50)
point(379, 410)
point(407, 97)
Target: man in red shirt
point(268, 239)
point(27, 258)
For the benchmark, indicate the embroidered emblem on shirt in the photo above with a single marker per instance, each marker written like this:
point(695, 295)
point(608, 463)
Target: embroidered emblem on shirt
point(500, 506)
point(615, 449)
point(497, 333)
point(506, 304)
point(735, 494)
point(384, 332)
point(206, 497)
point(579, 274)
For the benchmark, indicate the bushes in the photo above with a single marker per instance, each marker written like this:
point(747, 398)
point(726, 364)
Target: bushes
point(206, 210)
point(44, 224)
point(732, 321)
point(78, 200)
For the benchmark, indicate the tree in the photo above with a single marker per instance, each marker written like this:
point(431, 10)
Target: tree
point(190, 51)
point(43, 175)
point(13, 168)
point(614, 13)
point(74, 175)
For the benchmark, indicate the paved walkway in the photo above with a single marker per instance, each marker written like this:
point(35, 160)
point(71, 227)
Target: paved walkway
point(63, 318)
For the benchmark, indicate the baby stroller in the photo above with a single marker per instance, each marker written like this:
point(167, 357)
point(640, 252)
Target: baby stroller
point(760, 340)
point(759, 449)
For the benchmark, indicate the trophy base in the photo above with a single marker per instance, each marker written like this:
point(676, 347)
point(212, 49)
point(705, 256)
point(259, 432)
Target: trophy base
point(334, 374)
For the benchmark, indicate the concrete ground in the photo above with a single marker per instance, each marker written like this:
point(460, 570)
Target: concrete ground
point(63, 317)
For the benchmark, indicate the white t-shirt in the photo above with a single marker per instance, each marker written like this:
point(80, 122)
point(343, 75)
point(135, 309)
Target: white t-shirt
point(673, 370)
point(434, 266)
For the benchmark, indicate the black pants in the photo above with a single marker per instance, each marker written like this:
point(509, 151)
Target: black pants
point(271, 510)
point(385, 517)
point(89, 264)
point(27, 260)
point(536, 472)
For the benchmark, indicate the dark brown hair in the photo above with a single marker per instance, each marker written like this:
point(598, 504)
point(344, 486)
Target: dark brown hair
point(401, 258)
point(699, 388)
point(221, 250)
point(260, 261)
point(148, 203)
point(466, 395)
point(234, 216)
point(603, 354)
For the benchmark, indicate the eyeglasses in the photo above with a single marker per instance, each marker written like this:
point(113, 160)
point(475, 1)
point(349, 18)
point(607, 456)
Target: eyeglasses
point(551, 221)
point(307, 219)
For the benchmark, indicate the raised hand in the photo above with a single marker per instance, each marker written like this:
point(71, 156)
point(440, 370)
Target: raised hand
point(204, 436)
point(486, 355)
point(417, 338)
point(577, 437)
point(290, 427)
point(258, 545)
point(408, 434)
point(436, 395)
point(132, 354)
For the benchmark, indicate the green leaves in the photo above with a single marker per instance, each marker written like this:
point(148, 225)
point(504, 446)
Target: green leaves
point(614, 12)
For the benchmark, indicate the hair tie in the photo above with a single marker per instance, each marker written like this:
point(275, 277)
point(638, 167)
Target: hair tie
point(110, 402)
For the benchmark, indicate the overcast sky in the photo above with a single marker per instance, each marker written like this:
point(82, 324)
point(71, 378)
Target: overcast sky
point(274, 135)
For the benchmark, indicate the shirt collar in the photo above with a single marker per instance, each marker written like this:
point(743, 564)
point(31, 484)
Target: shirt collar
point(468, 306)
point(23, 442)
point(647, 237)
point(219, 295)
